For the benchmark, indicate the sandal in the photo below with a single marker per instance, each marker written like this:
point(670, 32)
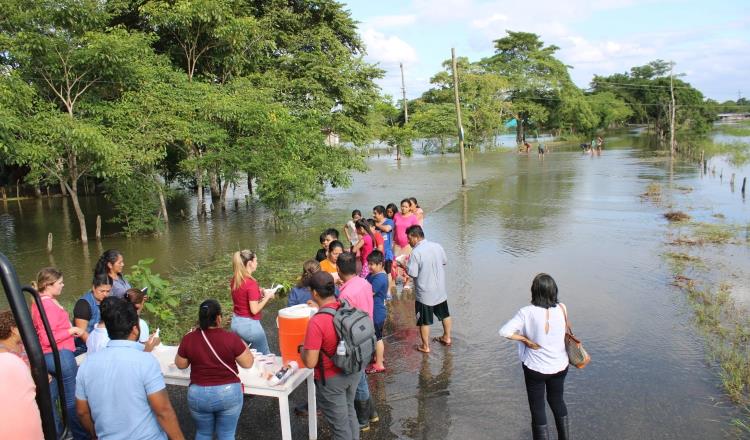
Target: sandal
point(441, 340)
point(372, 369)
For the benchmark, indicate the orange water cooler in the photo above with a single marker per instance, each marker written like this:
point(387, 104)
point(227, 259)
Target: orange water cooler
point(292, 323)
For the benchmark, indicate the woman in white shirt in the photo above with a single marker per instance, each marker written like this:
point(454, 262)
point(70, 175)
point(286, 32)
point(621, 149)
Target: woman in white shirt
point(540, 331)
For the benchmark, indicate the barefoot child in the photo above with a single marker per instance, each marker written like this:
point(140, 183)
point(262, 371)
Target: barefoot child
point(379, 281)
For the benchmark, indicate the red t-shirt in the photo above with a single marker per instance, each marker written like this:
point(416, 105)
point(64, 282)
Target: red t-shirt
point(321, 335)
point(248, 291)
point(378, 239)
point(205, 369)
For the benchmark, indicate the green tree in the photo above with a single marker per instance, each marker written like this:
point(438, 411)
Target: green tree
point(536, 78)
point(73, 61)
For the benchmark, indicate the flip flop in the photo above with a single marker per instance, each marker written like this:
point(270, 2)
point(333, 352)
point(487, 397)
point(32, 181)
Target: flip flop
point(373, 369)
point(419, 348)
point(440, 340)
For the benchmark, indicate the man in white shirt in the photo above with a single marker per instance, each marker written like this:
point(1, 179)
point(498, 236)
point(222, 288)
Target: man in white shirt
point(426, 267)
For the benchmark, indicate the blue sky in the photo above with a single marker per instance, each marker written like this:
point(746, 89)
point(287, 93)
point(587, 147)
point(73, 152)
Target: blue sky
point(709, 40)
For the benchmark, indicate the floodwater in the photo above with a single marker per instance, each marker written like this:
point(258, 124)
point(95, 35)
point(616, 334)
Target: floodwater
point(576, 217)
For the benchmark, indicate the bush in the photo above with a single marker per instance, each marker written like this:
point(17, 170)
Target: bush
point(162, 297)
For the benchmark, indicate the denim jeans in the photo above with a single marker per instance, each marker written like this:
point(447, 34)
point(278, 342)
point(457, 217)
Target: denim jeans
point(363, 389)
point(69, 370)
point(215, 409)
point(251, 331)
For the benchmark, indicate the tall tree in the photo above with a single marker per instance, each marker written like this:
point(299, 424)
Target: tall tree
point(72, 60)
point(536, 78)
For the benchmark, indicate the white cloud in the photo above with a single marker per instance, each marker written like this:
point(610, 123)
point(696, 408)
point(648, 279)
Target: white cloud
point(387, 49)
point(389, 21)
point(491, 20)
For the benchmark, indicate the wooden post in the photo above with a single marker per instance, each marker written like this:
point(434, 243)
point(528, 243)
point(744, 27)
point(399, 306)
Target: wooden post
point(98, 227)
point(703, 152)
point(744, 180)
point(5, 196)
point(18, 188)
point(49, 242)
point(458, 117)
point(731, 180)
point(672, 144)
point(403, 95)
point(705, 166)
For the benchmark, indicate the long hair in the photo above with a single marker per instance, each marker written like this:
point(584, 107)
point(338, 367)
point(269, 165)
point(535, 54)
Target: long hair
point(362, 223)
point(109, 256)
point(544, 291)
point(309, 267)
point(45, 278)
point(239, 265)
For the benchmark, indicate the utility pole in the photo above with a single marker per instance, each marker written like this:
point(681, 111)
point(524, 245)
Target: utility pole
point(458, 118)
point(403, 94)
point(672, 146)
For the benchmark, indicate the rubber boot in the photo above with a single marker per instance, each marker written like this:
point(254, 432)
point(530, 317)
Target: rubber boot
point(563, 427)
point(360, 406)
point(372, 412)
point(539, 432)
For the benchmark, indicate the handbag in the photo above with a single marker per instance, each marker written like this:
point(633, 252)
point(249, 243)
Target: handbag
point(222, 362)
point(577, 355)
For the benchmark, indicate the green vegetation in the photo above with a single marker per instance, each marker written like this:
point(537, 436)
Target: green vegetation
point(138, 95)
point(679, 261)
point(653, 192)
point(162, 297)
point(676, 216)
point(646, 91)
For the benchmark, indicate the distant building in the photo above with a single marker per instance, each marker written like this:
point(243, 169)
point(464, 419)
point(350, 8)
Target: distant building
point(332, 138)
point(729, 117)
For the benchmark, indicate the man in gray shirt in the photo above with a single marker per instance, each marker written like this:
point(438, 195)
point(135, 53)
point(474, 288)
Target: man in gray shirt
point(427, 267)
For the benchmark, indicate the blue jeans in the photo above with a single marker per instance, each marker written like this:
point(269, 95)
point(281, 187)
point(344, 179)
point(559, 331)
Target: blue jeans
point(69, 370)
point(215, 409)
point(363, 389)
point(251, 332)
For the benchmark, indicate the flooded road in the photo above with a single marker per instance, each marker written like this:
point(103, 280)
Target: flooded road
point(578, 218)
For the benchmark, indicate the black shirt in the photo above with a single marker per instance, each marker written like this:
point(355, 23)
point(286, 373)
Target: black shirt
point(82, 310)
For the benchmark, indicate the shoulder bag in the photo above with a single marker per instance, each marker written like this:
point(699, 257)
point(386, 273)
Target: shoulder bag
point(222, 362)
point(577, 355)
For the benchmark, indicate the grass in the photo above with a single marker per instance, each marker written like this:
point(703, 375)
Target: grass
point(727, 330)
point(702, 233)
point(676, 216)
point(680, 261)
point(196, 283)
point(653, 192)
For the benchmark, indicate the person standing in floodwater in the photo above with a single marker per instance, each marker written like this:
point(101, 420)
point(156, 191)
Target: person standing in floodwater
point(540, 150)
point(427, 268)
point(539, 329)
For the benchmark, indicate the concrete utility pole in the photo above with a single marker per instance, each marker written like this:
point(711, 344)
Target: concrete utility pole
point(403, 94)
point(458, 118)
point(672, 145)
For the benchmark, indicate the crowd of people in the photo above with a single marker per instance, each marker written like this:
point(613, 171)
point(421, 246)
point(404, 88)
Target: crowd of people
point(381, 253)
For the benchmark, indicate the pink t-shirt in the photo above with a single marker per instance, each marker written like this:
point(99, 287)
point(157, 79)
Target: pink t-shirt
point(20, 415)
point(59, 322)
point(402, 224)
point(358, 292)
point(366, 248)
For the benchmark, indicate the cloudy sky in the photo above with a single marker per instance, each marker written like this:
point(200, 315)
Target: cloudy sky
point(709, 40)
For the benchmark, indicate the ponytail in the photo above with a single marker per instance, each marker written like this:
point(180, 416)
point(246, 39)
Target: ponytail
point(239, 265)
point(46, 277)
point(208, 313)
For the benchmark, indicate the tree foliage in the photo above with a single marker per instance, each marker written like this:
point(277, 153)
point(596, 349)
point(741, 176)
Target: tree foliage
point(134, 94)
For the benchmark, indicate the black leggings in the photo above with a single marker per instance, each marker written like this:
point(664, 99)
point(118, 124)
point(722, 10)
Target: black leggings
point(535, 386)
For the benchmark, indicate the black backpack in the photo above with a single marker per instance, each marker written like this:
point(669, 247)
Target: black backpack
point(355, 328)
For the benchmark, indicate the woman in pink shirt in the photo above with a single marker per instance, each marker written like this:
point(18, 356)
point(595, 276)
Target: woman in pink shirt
point(49, 284)
point(365, 244)
point(417, 210)
point(403, 221)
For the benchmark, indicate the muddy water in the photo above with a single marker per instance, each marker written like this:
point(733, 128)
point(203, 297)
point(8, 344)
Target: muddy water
point(577, 217)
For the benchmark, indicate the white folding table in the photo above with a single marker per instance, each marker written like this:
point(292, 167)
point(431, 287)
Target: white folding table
point(254, 384)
